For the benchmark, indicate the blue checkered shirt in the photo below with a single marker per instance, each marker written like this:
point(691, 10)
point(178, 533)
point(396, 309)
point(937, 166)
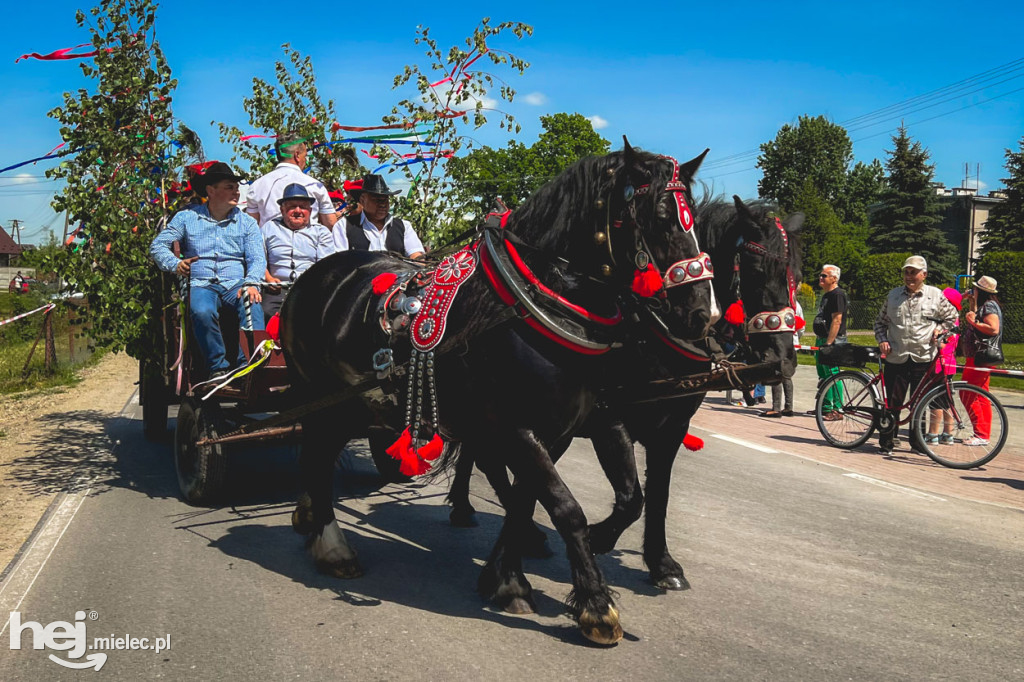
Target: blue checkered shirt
point(230, 252)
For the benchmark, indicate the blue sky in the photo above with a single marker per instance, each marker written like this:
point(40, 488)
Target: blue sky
point(674, 79)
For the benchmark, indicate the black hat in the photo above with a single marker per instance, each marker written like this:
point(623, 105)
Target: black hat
point(215, 173)
point(295, 191)
point(374, 184)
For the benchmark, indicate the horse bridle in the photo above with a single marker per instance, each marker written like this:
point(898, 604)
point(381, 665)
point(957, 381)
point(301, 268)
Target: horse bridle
point(686, 271)
point(777, 321)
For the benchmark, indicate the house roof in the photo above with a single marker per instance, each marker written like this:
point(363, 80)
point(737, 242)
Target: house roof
point(7, 245)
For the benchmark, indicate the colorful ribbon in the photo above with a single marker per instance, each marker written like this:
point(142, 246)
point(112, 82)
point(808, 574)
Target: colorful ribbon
point(63, 54)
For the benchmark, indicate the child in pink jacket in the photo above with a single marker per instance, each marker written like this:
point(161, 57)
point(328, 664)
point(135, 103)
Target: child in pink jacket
point(945, 363)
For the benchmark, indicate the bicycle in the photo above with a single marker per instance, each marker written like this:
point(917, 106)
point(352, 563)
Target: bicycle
point(863, 409)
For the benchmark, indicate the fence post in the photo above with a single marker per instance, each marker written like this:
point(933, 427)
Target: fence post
point(50, 349)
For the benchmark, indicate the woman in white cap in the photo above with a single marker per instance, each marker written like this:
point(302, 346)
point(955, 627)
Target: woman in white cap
point(984, 319)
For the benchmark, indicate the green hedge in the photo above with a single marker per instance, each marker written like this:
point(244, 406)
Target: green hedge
point(1008, 269)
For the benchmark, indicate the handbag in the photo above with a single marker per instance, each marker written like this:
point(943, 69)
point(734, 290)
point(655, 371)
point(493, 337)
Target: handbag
point(989, 349)
point(820, 326)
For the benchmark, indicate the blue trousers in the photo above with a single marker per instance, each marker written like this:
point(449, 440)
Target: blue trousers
point(205, 307)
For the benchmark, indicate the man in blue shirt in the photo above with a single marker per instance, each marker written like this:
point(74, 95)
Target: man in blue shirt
point(222, 255)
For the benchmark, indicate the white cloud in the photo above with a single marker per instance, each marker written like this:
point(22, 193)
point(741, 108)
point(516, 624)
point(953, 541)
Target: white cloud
point(976, 184)
point(22, 179)
point(536, 99)
point(597, 122)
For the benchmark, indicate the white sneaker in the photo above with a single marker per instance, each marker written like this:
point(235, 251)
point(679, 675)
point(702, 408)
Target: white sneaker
point(974, 442)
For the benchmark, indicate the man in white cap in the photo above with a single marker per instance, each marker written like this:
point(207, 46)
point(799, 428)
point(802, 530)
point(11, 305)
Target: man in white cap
point(912, 317)
point(262, 200)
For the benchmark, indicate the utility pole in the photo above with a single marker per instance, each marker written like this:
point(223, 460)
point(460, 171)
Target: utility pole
point(16, 229)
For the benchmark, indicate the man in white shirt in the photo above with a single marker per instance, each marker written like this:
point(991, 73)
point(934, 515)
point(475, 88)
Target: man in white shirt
point(374, 228)
point(262, 201)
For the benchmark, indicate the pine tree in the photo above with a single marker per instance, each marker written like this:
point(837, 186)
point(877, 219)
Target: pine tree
point(910, 217)
point(1004, 230)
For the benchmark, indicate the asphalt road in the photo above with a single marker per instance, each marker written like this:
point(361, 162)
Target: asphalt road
point(799, 572)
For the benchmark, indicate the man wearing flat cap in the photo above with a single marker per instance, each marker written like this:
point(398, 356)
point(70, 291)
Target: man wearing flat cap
point(912, 317)
point(221, 254)
point(293, 243)
point(374, 228)
point(262, 201)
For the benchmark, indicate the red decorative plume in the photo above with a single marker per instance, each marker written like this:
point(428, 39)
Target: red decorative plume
point(647, 282)
point(734, 314)
point(274, 327)
point(383, 282)
point(799, 324)
point(692, 443)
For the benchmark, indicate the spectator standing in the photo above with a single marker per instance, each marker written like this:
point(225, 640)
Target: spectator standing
point(829, 328)
point(984, 321)
point(18, 283)
point(910, 321)
point(262, 201)
point(786, 387)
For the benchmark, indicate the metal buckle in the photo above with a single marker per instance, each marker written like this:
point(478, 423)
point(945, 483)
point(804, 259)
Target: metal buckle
point(383, 359)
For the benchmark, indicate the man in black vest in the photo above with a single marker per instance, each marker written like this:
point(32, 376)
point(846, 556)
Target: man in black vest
point(374, 228)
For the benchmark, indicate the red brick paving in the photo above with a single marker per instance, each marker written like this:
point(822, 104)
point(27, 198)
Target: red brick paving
point(999, 482)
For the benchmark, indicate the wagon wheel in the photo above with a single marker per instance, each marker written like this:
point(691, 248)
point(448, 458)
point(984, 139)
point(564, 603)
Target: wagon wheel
point(387, 466)
point(153, 398)
point(201, 469)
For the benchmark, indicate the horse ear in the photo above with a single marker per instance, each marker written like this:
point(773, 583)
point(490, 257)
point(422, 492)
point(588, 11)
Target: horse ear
point(793, 223)
point(749, 226)
point(689, 169)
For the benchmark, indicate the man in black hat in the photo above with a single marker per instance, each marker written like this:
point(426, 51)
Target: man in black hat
point(261, 201)
point(293, 243)
point(221, 254)
point(375, 229)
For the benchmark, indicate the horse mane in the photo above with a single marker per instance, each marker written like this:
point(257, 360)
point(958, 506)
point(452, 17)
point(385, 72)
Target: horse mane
point(547, 217)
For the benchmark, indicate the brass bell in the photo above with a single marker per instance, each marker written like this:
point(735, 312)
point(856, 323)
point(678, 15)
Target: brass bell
point(606, 270)
point(600, 238)
point(599, 203)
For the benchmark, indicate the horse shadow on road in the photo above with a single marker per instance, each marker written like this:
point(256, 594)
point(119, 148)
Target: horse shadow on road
point(413, 557)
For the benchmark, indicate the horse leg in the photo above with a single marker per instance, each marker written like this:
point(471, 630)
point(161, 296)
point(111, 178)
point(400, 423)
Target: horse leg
point(502, 579)
point(614, 449)
point(314, 513)
point(662, 446)
point(590, 601)
point(463, 515)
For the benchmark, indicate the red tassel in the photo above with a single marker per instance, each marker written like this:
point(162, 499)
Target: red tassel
point(800, 324)
point(383, 282)
point(647, 282)
point(400, 447)
point(274, 326)
point(692, 443)
point(413, 465)
point(433, 449)
point(734, 314)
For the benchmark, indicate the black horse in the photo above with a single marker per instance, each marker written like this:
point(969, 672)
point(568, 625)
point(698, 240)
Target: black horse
point(769, 269)
point(518, 370)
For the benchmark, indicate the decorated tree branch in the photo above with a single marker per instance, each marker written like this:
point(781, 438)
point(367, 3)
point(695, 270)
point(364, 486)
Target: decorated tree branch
point(127, 152)
point(293, 104)
point(449, 96)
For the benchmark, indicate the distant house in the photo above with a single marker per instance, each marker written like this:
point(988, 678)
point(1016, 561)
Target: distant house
point(964, 214)
point(9, 250)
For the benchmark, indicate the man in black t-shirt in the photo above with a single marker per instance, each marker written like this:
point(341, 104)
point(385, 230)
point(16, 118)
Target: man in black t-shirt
point(829, 328)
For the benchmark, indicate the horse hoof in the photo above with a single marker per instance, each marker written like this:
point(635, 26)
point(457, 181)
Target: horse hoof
point(604, 630)
point(302, 517)
point(340, 569)
point(463, 518)
point(672, 582)
point(519, 606)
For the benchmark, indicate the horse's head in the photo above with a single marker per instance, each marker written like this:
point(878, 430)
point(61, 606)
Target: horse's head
point(769, 274)
point(650, 241)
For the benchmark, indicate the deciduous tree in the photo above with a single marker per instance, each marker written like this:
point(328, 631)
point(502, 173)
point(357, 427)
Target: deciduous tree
point(814, 150)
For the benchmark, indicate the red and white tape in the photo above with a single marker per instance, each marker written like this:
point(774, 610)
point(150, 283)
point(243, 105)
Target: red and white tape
point(46, 308)
point(990, 370)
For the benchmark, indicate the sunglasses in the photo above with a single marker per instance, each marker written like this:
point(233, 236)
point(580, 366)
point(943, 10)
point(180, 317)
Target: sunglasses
point(823, 276)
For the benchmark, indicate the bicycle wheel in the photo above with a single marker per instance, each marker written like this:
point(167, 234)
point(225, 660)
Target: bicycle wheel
point(847, 409)
point(951, 414)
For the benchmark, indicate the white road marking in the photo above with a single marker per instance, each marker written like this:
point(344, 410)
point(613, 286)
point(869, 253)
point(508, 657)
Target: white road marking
point(744, 443)
point(897, 488)
point(34, 560)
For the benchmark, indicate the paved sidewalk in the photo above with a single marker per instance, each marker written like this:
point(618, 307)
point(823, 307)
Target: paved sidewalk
point(1000, 482)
